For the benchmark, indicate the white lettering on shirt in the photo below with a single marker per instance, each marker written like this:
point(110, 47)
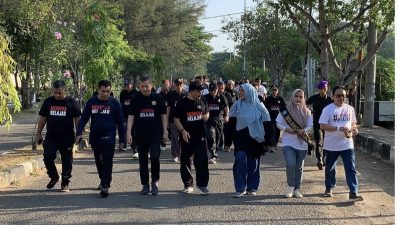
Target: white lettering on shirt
point(58, 111)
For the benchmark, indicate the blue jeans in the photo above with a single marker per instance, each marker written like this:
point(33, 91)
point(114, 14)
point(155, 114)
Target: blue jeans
point(294, 165)
point(246, 172)
point(348, 159)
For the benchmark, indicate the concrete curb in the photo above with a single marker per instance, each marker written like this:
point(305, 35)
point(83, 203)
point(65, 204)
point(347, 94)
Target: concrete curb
point(374, 147)
point(16, 173)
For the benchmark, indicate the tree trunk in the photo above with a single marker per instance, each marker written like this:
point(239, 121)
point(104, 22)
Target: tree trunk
point(323, 71)
point(370, 80)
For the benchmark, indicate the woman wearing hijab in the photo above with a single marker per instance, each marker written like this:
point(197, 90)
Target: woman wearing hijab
point(294, 146)
point(250, 116)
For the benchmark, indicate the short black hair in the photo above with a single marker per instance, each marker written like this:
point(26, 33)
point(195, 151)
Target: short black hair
point(104, 83)
point(145, 78)
point(198, 77)
point(195, 86)
point(59, 84)
point(337, 87)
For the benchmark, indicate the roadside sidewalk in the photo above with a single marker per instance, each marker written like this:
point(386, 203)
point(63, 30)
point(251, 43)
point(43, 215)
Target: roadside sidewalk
point(378, 142)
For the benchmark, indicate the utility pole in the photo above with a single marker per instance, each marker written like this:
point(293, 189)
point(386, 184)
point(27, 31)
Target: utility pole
point(370, 80)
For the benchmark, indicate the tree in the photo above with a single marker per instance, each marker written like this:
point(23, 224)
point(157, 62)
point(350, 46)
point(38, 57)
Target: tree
point(332, 18)
point(269, 37)
point(8, 94)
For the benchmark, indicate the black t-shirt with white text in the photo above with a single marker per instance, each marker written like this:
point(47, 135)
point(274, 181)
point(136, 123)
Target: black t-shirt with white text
point(125, 98)
point(60, 116)
point(172, 100)
point(274, 105)
point(147, 111)
point(216, 105)
point(189, 112)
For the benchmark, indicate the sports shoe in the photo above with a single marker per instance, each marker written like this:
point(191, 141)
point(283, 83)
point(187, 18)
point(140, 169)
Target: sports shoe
point(353, 197)
point(239, 194)
point(145, 190)
point(135, 156)
point(320, 165)
point(272, 149)
point(99, 187)
point(289, 191)
point(175, 159)
point(227, 149)
point(251, 192)
point(104, 192)
point(328, 193)
point(188, 190)
point(124, 149)
point(154, 188)
point(297, 193)
point(64, 188)
point(212, 160)
point(52, 183)
point(203, 190)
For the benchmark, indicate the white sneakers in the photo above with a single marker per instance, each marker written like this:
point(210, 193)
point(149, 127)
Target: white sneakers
point(135, 156)
point(289, 191)
point(188, 190)
point(297, 194)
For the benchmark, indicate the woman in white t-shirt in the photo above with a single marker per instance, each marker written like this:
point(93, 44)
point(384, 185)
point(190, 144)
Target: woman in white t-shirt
point(294, 146)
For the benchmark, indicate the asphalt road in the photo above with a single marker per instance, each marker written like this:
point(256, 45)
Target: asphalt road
point(30, 203)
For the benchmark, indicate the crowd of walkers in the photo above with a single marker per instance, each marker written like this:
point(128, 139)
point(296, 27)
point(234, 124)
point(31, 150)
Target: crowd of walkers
point(201, 119)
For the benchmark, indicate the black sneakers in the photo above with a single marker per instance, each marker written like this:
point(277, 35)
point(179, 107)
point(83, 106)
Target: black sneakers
point(320, 165)
point(53, 183)
point(154, 188)
point(64, 188)
point(104, 192)
point(145, 190)
point(353, 197)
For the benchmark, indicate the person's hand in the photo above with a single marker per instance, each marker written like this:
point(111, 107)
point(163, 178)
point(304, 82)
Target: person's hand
point(186, 136)
point(301, 132)
point(165, 137)
point(355, 131)
point(290, 131)
point(121, 145)
point(345, 130)
point(39, 139)
point(129, 138)
point(78, 139)
point(226, 119)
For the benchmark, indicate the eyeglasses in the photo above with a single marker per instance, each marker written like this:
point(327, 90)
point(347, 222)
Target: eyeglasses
point(340, 96)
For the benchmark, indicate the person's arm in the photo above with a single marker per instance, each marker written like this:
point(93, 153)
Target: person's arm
point(226, 113)
point(164, 120)
point(168, 113)
point(185, 134)
point(281, 124)
point(41, 123)
point(82, 121)
point(120, 124)
point(129, 125)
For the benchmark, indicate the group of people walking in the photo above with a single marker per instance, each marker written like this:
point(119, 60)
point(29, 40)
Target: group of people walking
point(199, 119)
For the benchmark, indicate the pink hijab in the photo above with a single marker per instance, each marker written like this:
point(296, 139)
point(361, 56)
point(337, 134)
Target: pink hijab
point(298, 112)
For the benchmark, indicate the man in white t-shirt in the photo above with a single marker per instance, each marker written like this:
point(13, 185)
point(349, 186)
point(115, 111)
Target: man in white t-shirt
point(338, 120)
point(261, 91)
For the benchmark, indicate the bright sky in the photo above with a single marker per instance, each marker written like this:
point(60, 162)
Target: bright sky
point(214, 25)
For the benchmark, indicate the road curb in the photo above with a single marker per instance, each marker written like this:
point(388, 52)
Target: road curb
point(16, 173)
point(375, 147)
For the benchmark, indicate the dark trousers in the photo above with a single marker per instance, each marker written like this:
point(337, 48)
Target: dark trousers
point(228, 134)
point(271, 134)
point(214, 132)
point(104, 154)
point(318, 138)
point(144, 148)
point(49, 155)
point(196, 149)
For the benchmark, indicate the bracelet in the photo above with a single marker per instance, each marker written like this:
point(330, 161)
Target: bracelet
point(337, 128)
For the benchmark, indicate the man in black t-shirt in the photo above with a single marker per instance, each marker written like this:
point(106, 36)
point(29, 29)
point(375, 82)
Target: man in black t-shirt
point(60, 113)
point(172, 99)
point(219, 111)
point(190, 116)
point(318, 102)
point(274, 103)
point(125, 98)
point(148, 115)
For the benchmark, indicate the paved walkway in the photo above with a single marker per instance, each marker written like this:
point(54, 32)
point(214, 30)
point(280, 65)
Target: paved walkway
point(29, 203)
point(19, 134)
